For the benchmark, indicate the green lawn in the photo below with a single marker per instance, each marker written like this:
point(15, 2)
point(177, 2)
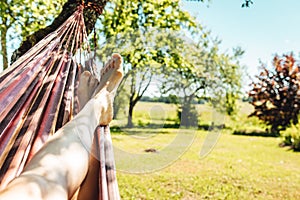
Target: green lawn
point(238, 167)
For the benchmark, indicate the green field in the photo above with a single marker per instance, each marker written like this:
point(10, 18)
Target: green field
point(238, 167)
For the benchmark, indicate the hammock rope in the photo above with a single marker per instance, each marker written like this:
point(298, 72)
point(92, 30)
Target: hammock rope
point(38, 95)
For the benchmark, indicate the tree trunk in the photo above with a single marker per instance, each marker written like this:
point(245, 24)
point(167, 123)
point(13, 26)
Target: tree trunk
point(136, 93)
point(132, 101)
point(4, 47)
point(188, 115)
point(93, 9)
point(130, 113)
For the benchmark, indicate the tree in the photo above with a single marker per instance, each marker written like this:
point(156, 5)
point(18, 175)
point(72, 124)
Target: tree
point(20, 18)
point(131, 28)
point(143, 14)
point(126, 16)
point(23, 13)
point(226, 89)
point(198, 70)
point(276, 93)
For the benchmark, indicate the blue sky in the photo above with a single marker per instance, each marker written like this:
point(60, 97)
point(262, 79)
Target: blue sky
point(266, 28)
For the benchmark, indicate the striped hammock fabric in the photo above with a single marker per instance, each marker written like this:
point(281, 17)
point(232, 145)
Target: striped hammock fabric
point(38, 95)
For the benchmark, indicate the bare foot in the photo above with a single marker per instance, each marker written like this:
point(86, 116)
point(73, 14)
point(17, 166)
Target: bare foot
point(111, 77)
point(111, 74)
point(89, 86)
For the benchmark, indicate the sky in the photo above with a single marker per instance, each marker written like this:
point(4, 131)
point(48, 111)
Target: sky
point(267, 28)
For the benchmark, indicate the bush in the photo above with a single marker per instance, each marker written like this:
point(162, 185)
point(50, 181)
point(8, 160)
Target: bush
point(291, 137)
point(276, 93)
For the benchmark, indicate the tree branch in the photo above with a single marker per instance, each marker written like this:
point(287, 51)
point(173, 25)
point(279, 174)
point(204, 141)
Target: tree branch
point(146, 87)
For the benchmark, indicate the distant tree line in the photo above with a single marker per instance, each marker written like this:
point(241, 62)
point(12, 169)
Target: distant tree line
point(171, 99)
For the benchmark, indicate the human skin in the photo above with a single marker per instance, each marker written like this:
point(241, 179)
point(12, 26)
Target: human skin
point(64, 163)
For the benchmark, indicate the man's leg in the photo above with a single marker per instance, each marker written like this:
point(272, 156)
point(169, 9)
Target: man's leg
point(58, 169)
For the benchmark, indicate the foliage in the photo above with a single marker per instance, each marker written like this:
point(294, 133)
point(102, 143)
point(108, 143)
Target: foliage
point(291, 137)
point(227, 73)
point(247, 3)
point(27, 16)
point(19, 18)
point(275, 95)
point(132, 29)
point(197, 69)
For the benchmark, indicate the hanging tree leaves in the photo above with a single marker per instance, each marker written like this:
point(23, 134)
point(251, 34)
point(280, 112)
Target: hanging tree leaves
point(19, 18)
point(93, 9)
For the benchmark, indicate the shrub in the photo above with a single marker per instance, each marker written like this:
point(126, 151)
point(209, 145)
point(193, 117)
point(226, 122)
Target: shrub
point(276, 94)
point(291, 137)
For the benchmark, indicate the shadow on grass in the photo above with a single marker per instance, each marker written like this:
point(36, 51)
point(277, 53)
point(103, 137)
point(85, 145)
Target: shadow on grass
point(289, 147)
point(208, 127)
point(158, 128)
point(137, 130)
point(255, 133)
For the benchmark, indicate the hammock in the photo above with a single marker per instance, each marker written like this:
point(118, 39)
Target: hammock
point(38, 96)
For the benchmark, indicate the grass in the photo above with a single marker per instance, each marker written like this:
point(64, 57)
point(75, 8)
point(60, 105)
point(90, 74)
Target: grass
point(238, 167)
